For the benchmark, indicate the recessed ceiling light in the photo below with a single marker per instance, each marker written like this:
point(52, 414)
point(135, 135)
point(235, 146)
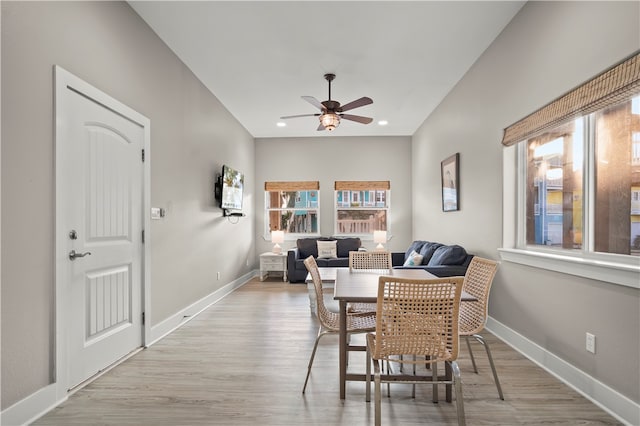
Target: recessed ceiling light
point(281, 124)
point(383, 123)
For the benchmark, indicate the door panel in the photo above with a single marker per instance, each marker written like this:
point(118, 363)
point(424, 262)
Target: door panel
point(102, 192)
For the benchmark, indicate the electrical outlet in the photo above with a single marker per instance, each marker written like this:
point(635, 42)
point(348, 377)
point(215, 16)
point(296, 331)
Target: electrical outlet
point(591, 343)
point(218, 275)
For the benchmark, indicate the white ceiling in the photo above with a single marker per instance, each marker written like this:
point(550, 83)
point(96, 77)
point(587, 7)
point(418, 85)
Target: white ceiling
point(259, 57)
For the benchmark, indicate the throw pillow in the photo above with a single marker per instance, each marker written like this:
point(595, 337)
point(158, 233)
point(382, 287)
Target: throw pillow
point(415, 246)
point(414, 259)
point(327, 249)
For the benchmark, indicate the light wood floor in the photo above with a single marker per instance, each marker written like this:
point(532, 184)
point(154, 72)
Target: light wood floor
point(243, 362)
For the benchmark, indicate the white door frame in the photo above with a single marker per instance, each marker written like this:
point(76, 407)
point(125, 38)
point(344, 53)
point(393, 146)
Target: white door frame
point(63, 82)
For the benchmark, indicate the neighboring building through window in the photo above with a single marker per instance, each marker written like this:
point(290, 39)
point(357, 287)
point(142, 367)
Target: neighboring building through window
point(293, 207)
point(361, 207)
point(590, 164)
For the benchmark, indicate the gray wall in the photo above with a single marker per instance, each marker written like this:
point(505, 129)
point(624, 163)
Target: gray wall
point(192, 135)
point(548, 48)
point(331, 158)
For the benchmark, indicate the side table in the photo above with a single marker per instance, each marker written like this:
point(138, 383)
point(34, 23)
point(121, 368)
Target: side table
point(270, 262)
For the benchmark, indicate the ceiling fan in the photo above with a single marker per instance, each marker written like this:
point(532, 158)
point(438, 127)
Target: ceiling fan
point(331, 111)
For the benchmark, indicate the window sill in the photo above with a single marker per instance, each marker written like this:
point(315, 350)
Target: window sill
point(626, 274)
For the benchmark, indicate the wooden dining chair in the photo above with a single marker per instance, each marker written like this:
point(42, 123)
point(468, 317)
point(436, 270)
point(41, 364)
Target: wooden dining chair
point(473, 315)
point(360, 322)
point(368, 261)
point(417, 317)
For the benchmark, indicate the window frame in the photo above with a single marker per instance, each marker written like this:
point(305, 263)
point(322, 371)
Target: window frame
point(361, 186)
point(607, 267)
point(290, 187)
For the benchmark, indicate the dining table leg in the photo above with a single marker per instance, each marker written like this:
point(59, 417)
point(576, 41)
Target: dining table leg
point(343, 348)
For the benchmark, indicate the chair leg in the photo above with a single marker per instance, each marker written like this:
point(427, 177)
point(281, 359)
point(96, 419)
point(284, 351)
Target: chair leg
point(313, 354)
point(473, 360)
point(480, 339)
point(378, 396)
point(434, 375)
point(413, 391)
point(368, 379)
point(457, 383)
point(389, 372)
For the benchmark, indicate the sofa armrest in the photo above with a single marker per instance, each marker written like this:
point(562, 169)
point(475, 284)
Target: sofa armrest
point(397, 258)
point(292, 255)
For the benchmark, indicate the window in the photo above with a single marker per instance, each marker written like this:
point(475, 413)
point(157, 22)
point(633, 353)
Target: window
point(575, 186)
point(559, 188)
point(361, 207)
point(293, 207)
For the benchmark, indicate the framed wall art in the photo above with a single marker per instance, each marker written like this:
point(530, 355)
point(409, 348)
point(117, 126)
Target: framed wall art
point(449, 171)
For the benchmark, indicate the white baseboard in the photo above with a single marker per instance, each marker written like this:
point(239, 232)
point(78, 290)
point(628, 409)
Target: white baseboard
point(31, 408)
point(613, 402)
point(45, 399)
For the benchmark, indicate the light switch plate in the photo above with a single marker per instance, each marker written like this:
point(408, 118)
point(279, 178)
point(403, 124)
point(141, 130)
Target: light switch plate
point(156, 213)
point(591, 343)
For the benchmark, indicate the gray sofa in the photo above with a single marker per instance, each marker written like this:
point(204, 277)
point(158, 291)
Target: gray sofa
point(439, 259)
point(306, 247)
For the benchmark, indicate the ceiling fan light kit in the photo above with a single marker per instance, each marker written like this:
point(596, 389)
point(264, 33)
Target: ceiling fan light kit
point(329, 121)
point(331, 111)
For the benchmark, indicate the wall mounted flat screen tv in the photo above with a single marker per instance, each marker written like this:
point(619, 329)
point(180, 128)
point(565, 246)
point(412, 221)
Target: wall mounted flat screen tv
point(232, 187)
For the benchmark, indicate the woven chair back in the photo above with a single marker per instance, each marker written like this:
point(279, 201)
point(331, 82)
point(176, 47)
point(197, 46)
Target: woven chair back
point(367, 260)
point(418, 317)
point(325, 316)
point(477, 282)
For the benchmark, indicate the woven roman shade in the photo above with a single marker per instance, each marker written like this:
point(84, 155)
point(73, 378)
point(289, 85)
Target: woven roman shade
point(611, 87)
point(292, 186)
point(362, 185)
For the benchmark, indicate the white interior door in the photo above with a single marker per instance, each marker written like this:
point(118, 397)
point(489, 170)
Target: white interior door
point(99, 192)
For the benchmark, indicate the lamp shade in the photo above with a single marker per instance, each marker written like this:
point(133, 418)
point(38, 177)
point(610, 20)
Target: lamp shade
point(277, 237)
point(380, 237)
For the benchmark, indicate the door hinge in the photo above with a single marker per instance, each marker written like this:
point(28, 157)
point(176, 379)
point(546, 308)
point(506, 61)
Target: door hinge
point(143, 318)
point(143, 236)
point(143, 155)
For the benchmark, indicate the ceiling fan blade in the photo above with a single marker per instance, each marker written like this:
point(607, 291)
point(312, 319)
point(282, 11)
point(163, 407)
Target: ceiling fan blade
point(357, 103)
point(299, 115)
point(358, 118)
point(313, 101)
point(320, 127)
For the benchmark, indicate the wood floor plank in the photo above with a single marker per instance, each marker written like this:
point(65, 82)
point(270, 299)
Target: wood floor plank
point(243, 362)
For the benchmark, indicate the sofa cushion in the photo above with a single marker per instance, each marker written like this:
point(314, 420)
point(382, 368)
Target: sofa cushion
point(327, 249)
point(322, 263)
point(414, 259)
point(338, 262)
point(307, 247)
point(448, 255)
point(427, 251)
point(345, 245)
point(415, 246)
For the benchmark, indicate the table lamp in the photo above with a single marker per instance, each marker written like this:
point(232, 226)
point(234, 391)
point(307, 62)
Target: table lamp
point(380, 237)
point(277, 237)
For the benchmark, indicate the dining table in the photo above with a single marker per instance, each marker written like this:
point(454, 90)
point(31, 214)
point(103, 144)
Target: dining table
point(361, 286)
